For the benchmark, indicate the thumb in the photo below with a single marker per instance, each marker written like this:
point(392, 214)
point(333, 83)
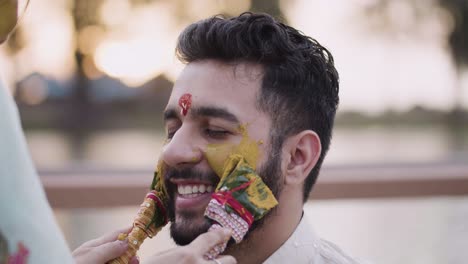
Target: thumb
point(109, 251)
point(206, 241)
point(135, 260)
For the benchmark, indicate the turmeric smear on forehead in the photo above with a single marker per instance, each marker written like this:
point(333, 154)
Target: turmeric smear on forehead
point(218, 154)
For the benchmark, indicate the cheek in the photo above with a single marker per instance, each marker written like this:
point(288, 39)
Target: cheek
point(217, 154)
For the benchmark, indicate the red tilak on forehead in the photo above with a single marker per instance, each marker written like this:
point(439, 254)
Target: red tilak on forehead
point(185, 102)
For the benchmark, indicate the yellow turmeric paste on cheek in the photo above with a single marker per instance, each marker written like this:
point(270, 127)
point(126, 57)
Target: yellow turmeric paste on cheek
point(218, 154)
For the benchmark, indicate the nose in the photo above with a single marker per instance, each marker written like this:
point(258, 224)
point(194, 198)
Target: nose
point(182, 150)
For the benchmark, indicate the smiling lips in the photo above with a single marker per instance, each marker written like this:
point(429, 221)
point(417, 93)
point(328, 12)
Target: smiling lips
point(192, 190)
point(193, 196)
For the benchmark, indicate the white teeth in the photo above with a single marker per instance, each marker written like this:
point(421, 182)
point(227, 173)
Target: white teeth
point(194, 189)
point(201, 188)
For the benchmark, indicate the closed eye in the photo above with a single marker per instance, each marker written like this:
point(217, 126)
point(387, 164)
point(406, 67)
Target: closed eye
point(171, 130)
point(170, 134)
point(216, 133)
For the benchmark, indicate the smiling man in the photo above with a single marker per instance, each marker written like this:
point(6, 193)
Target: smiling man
point(222, 114)
point(259, 88)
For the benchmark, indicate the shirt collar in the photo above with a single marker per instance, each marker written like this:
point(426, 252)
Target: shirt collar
point(301, 246)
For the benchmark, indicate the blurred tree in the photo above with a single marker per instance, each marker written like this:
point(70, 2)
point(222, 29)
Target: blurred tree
point(84, 14)
point(79, 115)
point(458, 43)
point(185, 15)
point(383, 12)
point(268, 6)
point(382, 17)
point(458, 40)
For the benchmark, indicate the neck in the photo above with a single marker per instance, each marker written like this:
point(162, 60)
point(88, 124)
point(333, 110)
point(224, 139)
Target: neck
point(269, 237)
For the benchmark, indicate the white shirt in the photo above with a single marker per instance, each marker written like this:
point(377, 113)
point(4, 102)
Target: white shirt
point(25, 214)
point(304, 246)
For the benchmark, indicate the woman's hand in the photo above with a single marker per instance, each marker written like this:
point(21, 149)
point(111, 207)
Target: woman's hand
point(107, 247)
point(103, 249)
point(193, 253)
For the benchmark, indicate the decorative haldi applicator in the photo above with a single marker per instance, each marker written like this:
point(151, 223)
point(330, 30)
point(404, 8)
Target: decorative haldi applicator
point(150, 219)
point(240, 198)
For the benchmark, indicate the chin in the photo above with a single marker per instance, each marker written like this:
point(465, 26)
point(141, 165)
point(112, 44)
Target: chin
point(188, 227)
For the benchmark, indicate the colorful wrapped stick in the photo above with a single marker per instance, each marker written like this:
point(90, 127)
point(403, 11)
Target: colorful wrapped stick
point(151, 218)
point(240, 198)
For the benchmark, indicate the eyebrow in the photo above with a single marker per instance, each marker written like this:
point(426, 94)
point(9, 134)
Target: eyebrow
point(170, 114)
point(203, 111)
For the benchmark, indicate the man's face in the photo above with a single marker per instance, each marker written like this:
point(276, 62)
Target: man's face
point(8, 17)
point(211, 114)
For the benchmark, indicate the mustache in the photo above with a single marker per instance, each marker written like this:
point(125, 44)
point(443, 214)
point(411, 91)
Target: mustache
point(183, 174)
point(189, 174)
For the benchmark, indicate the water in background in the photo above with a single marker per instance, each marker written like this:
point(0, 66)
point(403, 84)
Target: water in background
point(140, 148)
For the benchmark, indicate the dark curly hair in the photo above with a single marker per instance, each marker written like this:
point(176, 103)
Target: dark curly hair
point(300, 83)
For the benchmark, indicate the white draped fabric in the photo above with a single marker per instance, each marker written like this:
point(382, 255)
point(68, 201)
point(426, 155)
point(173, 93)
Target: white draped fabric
point(25, 214)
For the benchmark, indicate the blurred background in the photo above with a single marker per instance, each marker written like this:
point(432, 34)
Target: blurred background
point(91, 78)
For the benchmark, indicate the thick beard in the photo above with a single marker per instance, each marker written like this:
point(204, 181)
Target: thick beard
point(270, 172)
point(184, 231)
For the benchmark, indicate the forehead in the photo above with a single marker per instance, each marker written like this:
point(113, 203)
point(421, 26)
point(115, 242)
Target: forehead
point(213, 83)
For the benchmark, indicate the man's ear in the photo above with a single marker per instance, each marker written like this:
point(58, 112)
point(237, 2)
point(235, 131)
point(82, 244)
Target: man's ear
point(303, 151)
